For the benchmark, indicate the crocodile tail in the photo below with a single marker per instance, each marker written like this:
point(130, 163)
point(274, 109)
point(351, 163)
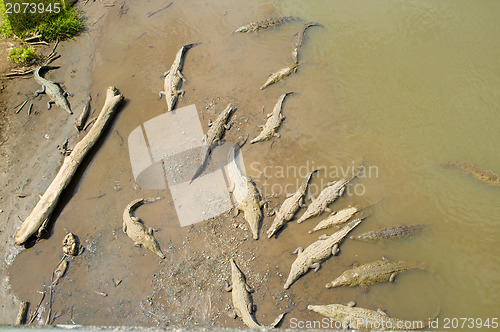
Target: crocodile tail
point(278, 320)
point(188, 46)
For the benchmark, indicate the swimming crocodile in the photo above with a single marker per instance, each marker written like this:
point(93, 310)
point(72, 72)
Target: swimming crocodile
point(389, 233)
point(327, 196)
point(242, 301)
point(317, 252)
point(300, 38)
point(136, 230)
point(173, 78)
point(289, 207)
point(281, 74)
point(275, 118)
point(371, 273)
point(336, 218)
point(364, 319)
point(52, 89)
point(245, 193)
point(256, 26)
point(482, 174)
point(214, 135)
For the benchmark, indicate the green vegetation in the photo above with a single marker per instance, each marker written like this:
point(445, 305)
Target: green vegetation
point(23, 55)
point(50, 18)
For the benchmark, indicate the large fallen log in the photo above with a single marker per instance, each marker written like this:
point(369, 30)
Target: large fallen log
point(37, 219)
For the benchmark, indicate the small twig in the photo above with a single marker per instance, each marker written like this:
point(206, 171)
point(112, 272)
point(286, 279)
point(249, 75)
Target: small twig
point(20, 108)
point(159, 10)
point(29, 109)
point(55, 57)
point(32, 38)
point(101, 293)
point(97, 20)
point(37, 307)
point(39, 43)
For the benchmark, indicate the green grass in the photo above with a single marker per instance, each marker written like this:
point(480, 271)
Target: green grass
point(23, 55)
point(65, 24)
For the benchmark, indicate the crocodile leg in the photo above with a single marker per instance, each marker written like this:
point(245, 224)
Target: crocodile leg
point(181, 76)
point(227, 126)
point(166, 73)
point(50, 103)
point(232, 313)
point(65, 94)
point(162, 93)
point(228, 287)
point(124, 228)
point(249, 289)
point(181, 93)
point(335, 249)
point(298, 251)
point(316, 266)
point(137, 244)
point(393, 276)
point(251, 307)
point(37, 92)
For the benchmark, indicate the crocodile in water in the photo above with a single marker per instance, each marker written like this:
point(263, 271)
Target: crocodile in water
point(281, 74)
point(312, 256)
point(275, 118)
point(389, 233)
point(256, 26)
point(289, 207)
point(173, 78)
point(482, 174)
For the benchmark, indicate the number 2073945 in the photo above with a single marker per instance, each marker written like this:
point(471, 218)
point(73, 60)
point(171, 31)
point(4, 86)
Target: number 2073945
point(32, 8)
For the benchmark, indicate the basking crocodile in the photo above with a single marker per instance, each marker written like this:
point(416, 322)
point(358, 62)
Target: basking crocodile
point(336, 218)
point(281, 74)
point(245, 193)
point(327, 196)
point(371, 273)
point(256, 26)
point(389, 233)
point(482, 174)
point(136, 230)
point(242, 301)
point(214, 135)
point(173, 78)
point(289, 207)
point(364, 319)
point(275, 118)
point(300, 38)
point(52, 89)
point(317, 252)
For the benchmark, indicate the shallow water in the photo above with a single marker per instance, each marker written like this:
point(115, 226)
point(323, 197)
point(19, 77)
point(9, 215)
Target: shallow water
point(402, 86)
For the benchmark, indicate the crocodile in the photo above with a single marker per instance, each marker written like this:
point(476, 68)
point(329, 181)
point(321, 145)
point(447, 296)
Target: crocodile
point(214, 135)
point(336, 218)
point(244, 192)
point(300, 38)
point(290, 206)
point(275, 118)
point(317, 252)
point(371, 273)
point(173, 78)
point(482, 174)
point(52, 89)
point(389, 233)
point(327, 196)
point(364, 319)
point(281, 74)
point(136, 230)
point(256, 26)
point(242, 301)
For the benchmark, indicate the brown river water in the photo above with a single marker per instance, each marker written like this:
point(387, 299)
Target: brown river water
point(402, 86)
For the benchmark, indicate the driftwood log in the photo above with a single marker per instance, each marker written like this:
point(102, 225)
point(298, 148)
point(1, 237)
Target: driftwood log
point(38, 217)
